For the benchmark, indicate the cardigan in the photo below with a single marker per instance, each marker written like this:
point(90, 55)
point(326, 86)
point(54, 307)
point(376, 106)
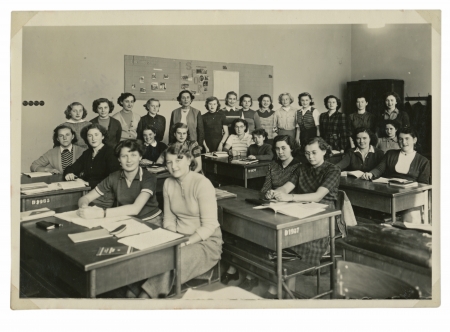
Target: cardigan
point(94, 170)
point(263, 152)
point(194, 123)
point(158, 121)
point(418, 171)
point(52, 159)
point(77, 127)
point(114, 131)
point(128, 132)
point(353, 160)
point(152, 153)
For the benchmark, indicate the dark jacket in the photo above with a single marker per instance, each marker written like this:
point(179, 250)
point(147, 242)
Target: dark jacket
point(114, 131)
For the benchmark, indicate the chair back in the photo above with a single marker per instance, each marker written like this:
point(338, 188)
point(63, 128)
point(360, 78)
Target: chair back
point(357, 281)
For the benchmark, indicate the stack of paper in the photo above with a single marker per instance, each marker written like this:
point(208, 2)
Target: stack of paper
point(150, 239)
point(73, 217)
point(37, 174)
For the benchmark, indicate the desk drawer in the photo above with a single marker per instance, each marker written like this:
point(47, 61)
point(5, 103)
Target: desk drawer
point(368, 200)
point(50, 201)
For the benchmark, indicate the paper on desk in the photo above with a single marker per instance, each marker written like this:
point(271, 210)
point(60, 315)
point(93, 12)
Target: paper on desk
point(133, 227)
point(381, 180)
point(299, 211)
point(73, 217)
point(37, 174)
point(150, 239)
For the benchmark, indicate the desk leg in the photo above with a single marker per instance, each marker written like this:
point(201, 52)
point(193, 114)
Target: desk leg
point(22, 205)
point(245, 177)
point(92, 288)
point(178, 268)
point(332, 255)
point(279, 264)
point(426, 220)
point(393, 208)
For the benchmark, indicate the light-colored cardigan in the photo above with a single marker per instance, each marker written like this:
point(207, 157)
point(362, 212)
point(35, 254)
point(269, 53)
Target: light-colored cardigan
point(52, 159)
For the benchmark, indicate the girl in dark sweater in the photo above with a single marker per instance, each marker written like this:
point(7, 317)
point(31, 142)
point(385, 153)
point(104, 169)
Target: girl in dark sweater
point(260, 150)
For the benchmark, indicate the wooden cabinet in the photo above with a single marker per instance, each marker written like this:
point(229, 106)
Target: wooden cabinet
point(373, 90)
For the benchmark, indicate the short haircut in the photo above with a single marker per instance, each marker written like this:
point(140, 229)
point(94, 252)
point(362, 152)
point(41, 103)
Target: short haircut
point(305, 94)
point(285, 94)
point(233, 124)
point(395, 95)
point(150, 127)
point(69, 109)
point(260, 98)
point(338, 101)
point(260, 132)
point(373, 138)
point(241, 100)
point(84, 131)
point(181, 151)
point(229, 94)
point(96, 103)
point(393, 123)
point(147, 104)
point(182, 92)
point(284, 138)
point(181, 125)
point(56, 133)
point(124, 96)
point(361, 95)
point(407, 131)
point(210, 99)
point(132, 144)
point(323, 145)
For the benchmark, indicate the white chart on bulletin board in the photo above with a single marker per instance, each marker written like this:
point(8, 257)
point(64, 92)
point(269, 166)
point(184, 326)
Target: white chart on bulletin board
point(225, 81)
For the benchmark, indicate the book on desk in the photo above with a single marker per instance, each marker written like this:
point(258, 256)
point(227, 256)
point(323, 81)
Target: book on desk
point(41, 187)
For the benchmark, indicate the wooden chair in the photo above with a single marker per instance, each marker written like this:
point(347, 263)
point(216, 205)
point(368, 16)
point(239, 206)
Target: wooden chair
point(358, 281)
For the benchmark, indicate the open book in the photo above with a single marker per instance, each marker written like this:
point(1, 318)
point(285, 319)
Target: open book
point(298, 210)
point(356, 174)
point(40, 187)
point(37, 174)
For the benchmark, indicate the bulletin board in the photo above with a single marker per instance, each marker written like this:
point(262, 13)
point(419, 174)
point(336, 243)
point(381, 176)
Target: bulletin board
point(162, 78)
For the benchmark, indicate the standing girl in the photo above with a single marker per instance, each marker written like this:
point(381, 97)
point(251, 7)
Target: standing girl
point(390, 141)
point(230, 110)
point(128, 120)
point(104, 107)
point(250, 115)
point(266, 116)
point(334, 127)
point(391, 112)
point(307, 119)
point(188, 115)
point(285, 118)
point(76, 114)
point(216, 129)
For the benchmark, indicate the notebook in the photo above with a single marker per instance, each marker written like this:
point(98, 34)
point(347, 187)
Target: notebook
point(89, 235)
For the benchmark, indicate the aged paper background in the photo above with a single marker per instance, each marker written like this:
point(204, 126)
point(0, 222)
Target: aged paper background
point(183, 18)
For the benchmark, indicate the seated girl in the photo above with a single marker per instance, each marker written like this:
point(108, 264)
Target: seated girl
point(238, 143)
point(181, 132)
point(405, 163)
point(75, 115)
point(190, 208)
point(64, 153)
point(260, 150)
point(96, 163)
point(133, 188)
point(364, 157)
point(280, 171)
point(152, 148)
point(389, 141)
point(104, 108)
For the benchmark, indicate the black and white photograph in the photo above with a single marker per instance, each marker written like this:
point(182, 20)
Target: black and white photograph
point(306, 166)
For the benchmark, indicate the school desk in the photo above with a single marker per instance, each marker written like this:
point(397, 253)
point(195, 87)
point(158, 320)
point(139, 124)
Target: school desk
point(50, 199)
point(274, 232)
point(50, 257)
point(403, 253)
point(384, 198)
point(221, 167)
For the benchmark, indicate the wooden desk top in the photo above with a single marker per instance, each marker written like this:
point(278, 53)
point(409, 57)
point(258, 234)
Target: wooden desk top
point(83, 254)
point(47, 179)
point(266, 217)
point(261, 163)
point(381, 189)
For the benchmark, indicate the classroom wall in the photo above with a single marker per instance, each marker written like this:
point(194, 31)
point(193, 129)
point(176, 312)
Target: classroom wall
point(66, 64)
point(396, 51)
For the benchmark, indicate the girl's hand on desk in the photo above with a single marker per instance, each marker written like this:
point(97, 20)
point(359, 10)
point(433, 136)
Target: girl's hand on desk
point(367, 176)
point(91, 212)
point(251, 157)
point(54, 171)
point(282, 197)
point(269, 194)
point(70, 177)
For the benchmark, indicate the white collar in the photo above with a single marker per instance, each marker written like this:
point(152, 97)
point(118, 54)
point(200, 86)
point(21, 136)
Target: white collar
point(371, 149)
point(287, 109)
point(152, 144)
point(73, 121)
point(68, 148)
